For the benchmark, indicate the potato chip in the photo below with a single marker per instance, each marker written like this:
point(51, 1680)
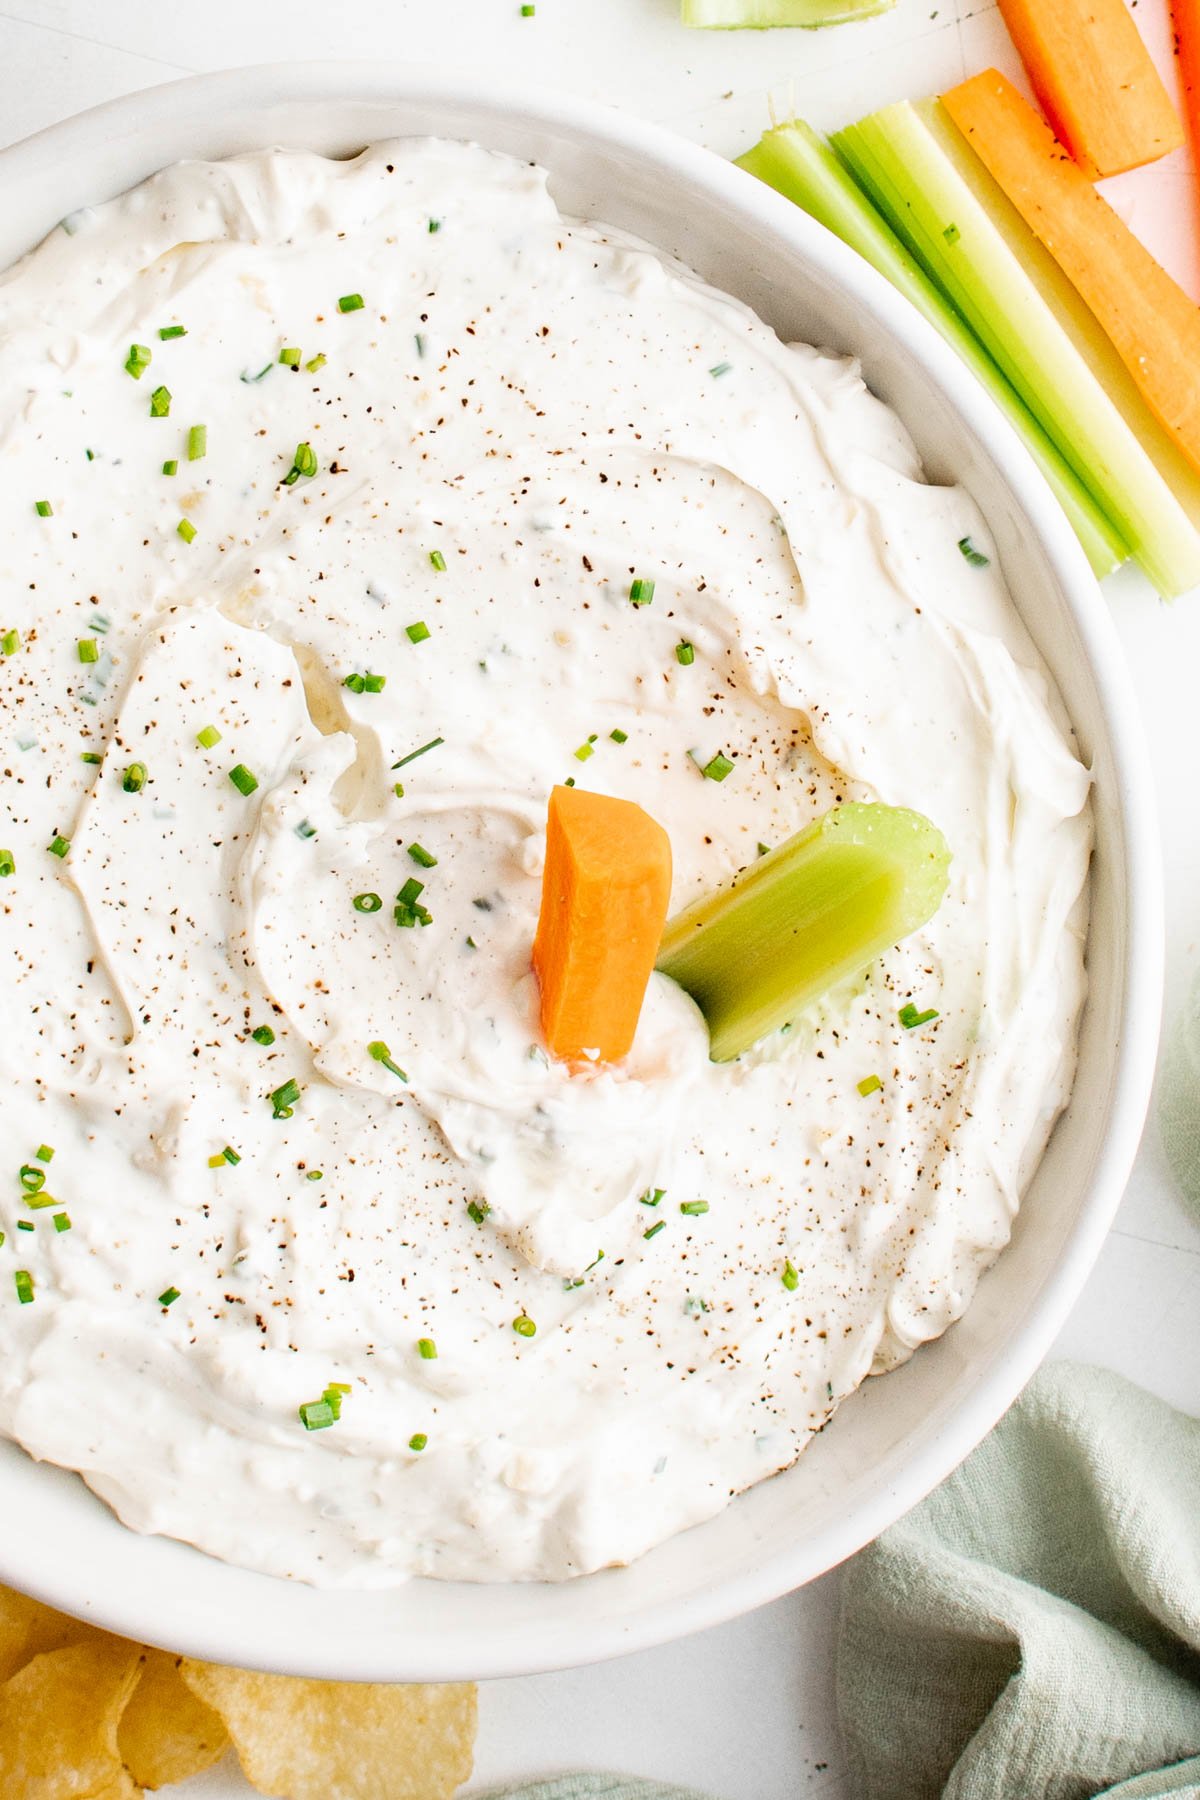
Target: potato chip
point(27, 1628)
point(58, 1724)
point(166, 1732)
point(327, 1740)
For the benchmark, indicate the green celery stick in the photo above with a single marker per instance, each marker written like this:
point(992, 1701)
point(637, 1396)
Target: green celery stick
point(757, 15)
point(817, 909)
point(801, 166)
point(940, 200)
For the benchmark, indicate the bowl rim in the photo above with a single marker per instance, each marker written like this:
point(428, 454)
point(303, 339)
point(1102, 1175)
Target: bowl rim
point(192, 104)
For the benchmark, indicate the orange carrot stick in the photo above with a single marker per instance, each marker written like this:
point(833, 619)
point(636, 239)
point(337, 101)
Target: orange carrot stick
point(605, 892)
point(1153, 325)
point(1186, 14)
point(1095, 80)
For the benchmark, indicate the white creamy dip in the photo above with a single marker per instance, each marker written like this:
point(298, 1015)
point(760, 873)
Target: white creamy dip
point(551, 412)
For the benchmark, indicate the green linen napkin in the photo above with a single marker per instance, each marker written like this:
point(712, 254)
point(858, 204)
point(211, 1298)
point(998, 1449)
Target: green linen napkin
point(1032, 1630)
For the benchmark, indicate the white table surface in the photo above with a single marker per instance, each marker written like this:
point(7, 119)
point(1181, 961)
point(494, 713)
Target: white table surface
point(746, 1711)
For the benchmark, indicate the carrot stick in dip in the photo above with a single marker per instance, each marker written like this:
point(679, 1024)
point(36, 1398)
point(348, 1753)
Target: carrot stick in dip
point(605, 892)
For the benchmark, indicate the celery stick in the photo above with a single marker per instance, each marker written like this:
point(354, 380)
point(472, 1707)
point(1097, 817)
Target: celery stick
point(801, 166)
point(822, 906)
point(756, 15)
point(934, 191)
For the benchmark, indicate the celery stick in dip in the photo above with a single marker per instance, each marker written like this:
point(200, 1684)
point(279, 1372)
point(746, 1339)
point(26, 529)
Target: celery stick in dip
point(565, 515)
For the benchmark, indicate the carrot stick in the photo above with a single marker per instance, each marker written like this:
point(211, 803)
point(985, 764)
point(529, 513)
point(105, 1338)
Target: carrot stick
point(1096, 82)
point(1153, 325)
point(605, 892)
point(1186, 14)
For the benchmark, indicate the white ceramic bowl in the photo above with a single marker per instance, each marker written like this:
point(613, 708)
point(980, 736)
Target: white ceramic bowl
point(897, 1438)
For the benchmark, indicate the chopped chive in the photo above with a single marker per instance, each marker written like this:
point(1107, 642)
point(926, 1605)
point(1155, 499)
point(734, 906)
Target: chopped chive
point(134, 778)
point(168, 1297)
point(31, 1179)
point(230, 1155)
point(478, 1210)
point(285, 1098)
point(91, 455)
point(315, 1415)
point(417, 633)
point(25, 1225)
point(208, 737)
point(910, 1018)
point(438, 561)
point(217, 1161)
point(315, 362)
point(528, 12)
point(24, 1286)
point(88, 650)
point(290, 356)
point(418, 1441)
point(435, 225)
point(975, 557)
point(160, 403)
point(262, 1034)
point(398, 789)
point(43, 509)
point(8, 863)
point(419, 341)
point(583, 752)
point(721, 368)
point(356, 683)
point(790, 1278)
point(186, 530)
point(44, 1153)
point(379, 1052)
point(407, 912)
point(870, 1084)
point(59, 846)
point(374, 684)
point(427, 1349)
point(171, 331)
point(421, 855)
point(62, 1221)
point(652, 1196)
point(249, 378)
point(305, 829)
point(413, 754)
point(197, 442)
point(170, 467)
point(653, 1231)
point(138, 360)
point(693, 1208)
point(350, 303)
point(524, 1326)
point(641, 591)
point(91, 756)
point(619, 737)
point(242, 779)
point(315, 1175)
point(10, 643)
point(367, 903)
point(685, 653)
point(303, 463)
point(718, 768)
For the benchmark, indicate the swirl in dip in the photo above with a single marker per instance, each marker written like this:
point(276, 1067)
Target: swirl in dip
point(505, 419)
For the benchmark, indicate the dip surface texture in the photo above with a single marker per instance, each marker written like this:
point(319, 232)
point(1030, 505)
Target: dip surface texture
point(444, 432)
